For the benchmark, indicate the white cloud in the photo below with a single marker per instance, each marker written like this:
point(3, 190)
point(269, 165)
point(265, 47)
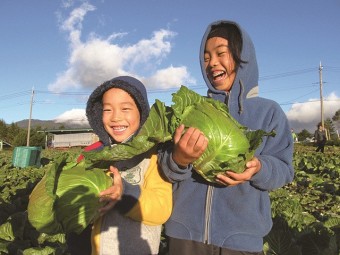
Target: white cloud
point(66, 3)
point(96, 60)
point(74, 116)
point(308, 115)
point(169, 78)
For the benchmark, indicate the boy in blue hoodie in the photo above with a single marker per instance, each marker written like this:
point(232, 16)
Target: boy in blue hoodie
point(231, 218)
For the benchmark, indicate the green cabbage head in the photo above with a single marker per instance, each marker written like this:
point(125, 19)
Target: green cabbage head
point(230, 145)
point(67, 197)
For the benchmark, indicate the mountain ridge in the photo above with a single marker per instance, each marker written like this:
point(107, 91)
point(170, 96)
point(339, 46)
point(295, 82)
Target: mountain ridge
point(50, 124)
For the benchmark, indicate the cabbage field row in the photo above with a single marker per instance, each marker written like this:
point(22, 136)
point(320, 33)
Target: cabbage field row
point(306, 212)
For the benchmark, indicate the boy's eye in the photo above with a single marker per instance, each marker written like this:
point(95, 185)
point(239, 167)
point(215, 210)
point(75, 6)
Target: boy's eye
point(221, 53)
point(106, 110)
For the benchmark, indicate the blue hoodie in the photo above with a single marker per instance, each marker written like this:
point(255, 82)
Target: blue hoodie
point(236, 217)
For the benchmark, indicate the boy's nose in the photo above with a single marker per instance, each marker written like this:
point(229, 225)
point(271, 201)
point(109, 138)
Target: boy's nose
point(213, 62)
point(116, 116)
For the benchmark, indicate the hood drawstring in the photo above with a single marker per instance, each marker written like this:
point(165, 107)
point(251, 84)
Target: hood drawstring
point(240, 98)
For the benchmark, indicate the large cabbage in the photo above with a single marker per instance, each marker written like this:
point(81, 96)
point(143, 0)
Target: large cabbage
point(67, 197)
point(230, 146)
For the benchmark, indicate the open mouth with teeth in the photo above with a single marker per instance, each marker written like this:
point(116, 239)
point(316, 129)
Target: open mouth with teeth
point(216, 76)
point(119, 128)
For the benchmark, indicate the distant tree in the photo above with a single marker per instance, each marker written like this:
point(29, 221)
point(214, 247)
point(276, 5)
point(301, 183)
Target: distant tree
point(329, 125)
point(12, 131)
point(336, 116)
point(20, 139)
point(304, 134)
point(37, 138)
point(3, 130)
point(336, 119)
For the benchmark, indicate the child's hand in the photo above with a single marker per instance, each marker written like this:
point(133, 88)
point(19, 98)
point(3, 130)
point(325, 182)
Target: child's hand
point(231, 178)
point(188, 146)
point(113, 194)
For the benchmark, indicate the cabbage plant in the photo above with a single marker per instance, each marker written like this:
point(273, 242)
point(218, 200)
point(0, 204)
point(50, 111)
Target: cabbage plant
point(230, 145)
point(67, 197)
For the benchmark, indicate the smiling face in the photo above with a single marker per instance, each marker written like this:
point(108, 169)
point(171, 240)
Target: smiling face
point(219, 64)
point(121, 117)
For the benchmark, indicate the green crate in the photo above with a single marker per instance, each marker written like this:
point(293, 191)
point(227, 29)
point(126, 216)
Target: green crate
point(24, 156)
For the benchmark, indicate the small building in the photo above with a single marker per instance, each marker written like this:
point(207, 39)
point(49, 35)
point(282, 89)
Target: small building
point(4, 144)
point(63, 138)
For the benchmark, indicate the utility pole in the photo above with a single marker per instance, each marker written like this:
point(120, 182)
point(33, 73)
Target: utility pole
point(321, 103)
point(321, 97)
point(29, 120)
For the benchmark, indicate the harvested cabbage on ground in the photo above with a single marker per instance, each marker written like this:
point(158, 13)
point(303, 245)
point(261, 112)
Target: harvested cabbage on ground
point(230, 145)
point(67, 197)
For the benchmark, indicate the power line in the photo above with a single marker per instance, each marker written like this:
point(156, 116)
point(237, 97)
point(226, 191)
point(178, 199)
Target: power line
point(87, 93)
point(56, 103)
point(64, 93)
point(16, 94)
point(14, 105)
point(332, 68)
point(285, 89)
point(165, 90)
point(290, 101)
point(286, 74)
point(310, 101)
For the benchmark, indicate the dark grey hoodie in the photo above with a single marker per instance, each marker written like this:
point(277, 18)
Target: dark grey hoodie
point(94, 108)
point(117, 231)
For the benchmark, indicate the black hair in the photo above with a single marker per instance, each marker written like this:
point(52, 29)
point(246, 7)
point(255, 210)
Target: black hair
point(231, 33)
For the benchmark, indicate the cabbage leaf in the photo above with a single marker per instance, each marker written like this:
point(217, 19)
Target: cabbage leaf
point(67, 197)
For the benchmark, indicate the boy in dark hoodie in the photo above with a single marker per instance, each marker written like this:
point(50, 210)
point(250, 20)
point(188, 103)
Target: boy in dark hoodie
point(140, 200)
point(231, 218)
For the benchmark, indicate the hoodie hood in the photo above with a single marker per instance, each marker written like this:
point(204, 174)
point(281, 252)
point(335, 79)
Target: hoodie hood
point(246, 81)
point(94, 108)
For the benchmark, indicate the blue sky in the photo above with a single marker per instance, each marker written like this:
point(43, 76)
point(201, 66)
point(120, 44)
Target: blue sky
point(62, 50)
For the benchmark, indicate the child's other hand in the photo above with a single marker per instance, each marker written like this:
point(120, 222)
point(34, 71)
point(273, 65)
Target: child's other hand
point(188, 146)
point(113, 194)
point(231, 178)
